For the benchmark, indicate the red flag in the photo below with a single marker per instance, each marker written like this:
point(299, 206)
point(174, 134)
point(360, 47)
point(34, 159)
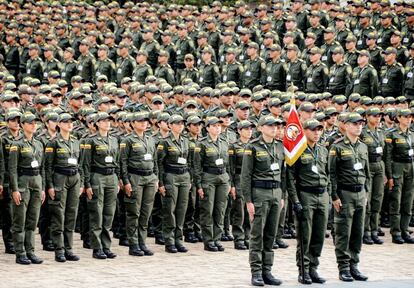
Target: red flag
point(294, 139)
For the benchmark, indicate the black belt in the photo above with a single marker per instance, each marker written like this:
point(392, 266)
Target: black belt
point(214, 170)
point(176, 170)
point(316, 190)
point(375, 158)
point(28, 172)
point(403, 160)
point(351, 188)
point(266, 184)
point(140, 172)
point(103, 171)
point(67, 171)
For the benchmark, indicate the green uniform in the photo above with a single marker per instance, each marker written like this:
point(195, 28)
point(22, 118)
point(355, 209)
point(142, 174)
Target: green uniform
point(34, 68)
point(188, 73)
point(385, 33)
point(409, 79)
point(340, 79)
point(296, 74)
point(26, 171)
point(69, 70)
point(362, 35)
point(254, 72)
point(349, 175)
point(184, 46)
point(399, 166)
point(12, 59)
point(376, 58)
point(62, 174)
point(375, 141)
point(307, 182)
point(50, 65)
point(327, 53)
point(139, 168)
point(261, 175)
point(86, 67)
point(141, 72)
point(152, 48)
point(165, 72)
point(106, 67)
point(365, 81)
point(232, 72)
point(276, 71)
point(124, 68)
point(317, 78)
point(211, 173)
point(209, 75)
point(173, 163)
point(100, 166)
point(391, 80)
point(351, 57)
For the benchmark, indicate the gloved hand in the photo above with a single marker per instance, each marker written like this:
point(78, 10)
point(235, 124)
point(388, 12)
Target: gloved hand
point(298, 209)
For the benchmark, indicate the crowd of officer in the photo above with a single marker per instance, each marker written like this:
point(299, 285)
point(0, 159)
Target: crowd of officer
point(136, 120)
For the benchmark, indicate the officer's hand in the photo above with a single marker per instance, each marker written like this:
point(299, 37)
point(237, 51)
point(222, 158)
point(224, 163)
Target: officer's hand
point(1, 192)
point(282, 203)
point(51, 193)
point(391, 183)
point(250, 210)
point(17, 197)
point(297, 207)
point(81, 191)
point(89, 193)
point(337, 205)
point(121, 184)
point(200, 193)
point(128, 189)
point(233, 193)
point(162, 190)
point(157, 185)
point(43, 197)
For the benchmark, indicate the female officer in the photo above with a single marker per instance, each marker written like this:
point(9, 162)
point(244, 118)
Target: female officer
point(100, 166)
point(139, 176)
point(211, 175)
point(25, 168)
point(63, 187)
point(175, 184)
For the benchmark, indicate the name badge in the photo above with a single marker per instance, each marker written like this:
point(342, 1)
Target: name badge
point(63, 74)
point(379, 41)
point(274, 166)
point(241, 57)
point(309, 80)
point(378, 150)
point(288, 77)
point(359, 42)
point(332, 79)
point(385, 81)
point(356, 81)
point(73, 161)
point(147, 157)
point(222, 58)
point(28, 71)
point(324, 58)
point(98, 74)
point(248, 73)
point(80, 67)
point(225, 78)
point(198, 61)
point(269, 78)
point(34, 164)
point(410, 152)
point(201, 79)
point(45, 74)
point(410, 74)
point(109, 159)
point(358, 166)
point(181, 160)
point(405, 40)
point(119, 71)
point(178, 52)
point(356, 31)
point(315, 169)
point(219, 162)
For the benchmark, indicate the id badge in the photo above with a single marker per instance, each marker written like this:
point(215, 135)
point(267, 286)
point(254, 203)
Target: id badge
point(288, 77)
point(309, 80)
point(385, 80)
point(45, 74)
point(73, 161)
point(109, 159)
point(379, 41)
point(274, 166)
point(28, 71)
point(358, 166)
point(324, 58)
point(332, 79)
point(98, 74)
point(222, 59)
point(315, 169)
point(181, 160)
point(359, 42)
point(248, 73)
point(405, 40)
point(198, 61)
point(80, 68)
point(219, 162)
point(410, 74)
point(119, 71)
point(269, 78)
point(241, 57)
point(34, 164)
point(147, 157)
point(356, 81)
point(410, 152)
point(225, 78)
point(378, 150)
point(63, 74)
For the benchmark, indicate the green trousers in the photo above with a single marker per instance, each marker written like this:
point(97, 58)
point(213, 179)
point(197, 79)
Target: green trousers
point(212, 206)
point(102, 209)
point(349, 228)
point(138, 207)
point(374, 196)
point(263, 231)
point(26, 215)
point(6, 216)
point(239, 216)
point(282, 218)
point(192, 217)
point(63, 210)
point(311, 228)
point(174, 207)
point(401, 199)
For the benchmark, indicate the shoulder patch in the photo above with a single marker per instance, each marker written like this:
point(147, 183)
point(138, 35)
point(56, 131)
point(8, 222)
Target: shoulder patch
point(388, 140)
point(332, 152)
point(49, 150)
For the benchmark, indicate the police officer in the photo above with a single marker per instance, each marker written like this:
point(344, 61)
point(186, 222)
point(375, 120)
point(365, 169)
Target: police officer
point(211, 176)
point(276, 70)
point(317, 73)
point(100, 166)
point(125, 64)
point(391, 74)
point(34, 66)
point(296, 68)
point(86, 62)
point(175, 183)
point(142, 69)
point(349, 175)
point(365, 77)
point(261, 175)
point(209, 73)
point(63, 187)
point(254, 68)
point(139, 172)
point(399, 172)
point(307, 182)
point(340, 73)
point(26, 171)
point(374, 138)
point(232, 70)
point(104, 65)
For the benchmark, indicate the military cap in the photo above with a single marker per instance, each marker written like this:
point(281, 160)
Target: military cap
point(397, 33)
point(146, 29)
point(51, 116)
point(28, 117)
point(104, 99)
point(409, 12)
point(389, 100)
point(10, 86)
point(315, 13)
point(258, 96)
point(75, 95)
point(240, 3)
point(242, 105)
point(274, 102)
point(321, 116)
point(338, 50)
point(189, 56)
point(290, 18)
point(404, 112)
point(267, 120)
point(378, 100)
point(245, 92)
point(365, 14)
point(275, 47)
point(120, 93)
point(339, 99)
point(208, 50)
point(103, 116)
point(142, 52)
point(390, 50)
point(56, 93)
point(76, 78)
point(190, 103)
point(364, 53)
point(401, 99)
point(226, 91)
point(373, 111)
point(340, 17)
point(286, 107)
point(311, 35)
point(350, 38)
point(244, 124)
point(102, 78)
point(202, 34)
point(178, 89)
point(329, 30)
point(175, 119)
point(12, 114)
point(235, 90)
point(266, 21)
point(355, 97)
point(223, 113)
point(85, 42)
point(353, 117)
point(292, 47)
point(33, 46)
point(9, 96)
point(194, 119)
point(312, 124)
point(164, 53)
point(372, 35)
point(315, 50)
point(365, 100)
point(289, 34)
point(62, 83)
point(228, 33)
point(42, 99)
point(212, 120)
point(24, 89)
point(385, 15)
point(157, 98)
